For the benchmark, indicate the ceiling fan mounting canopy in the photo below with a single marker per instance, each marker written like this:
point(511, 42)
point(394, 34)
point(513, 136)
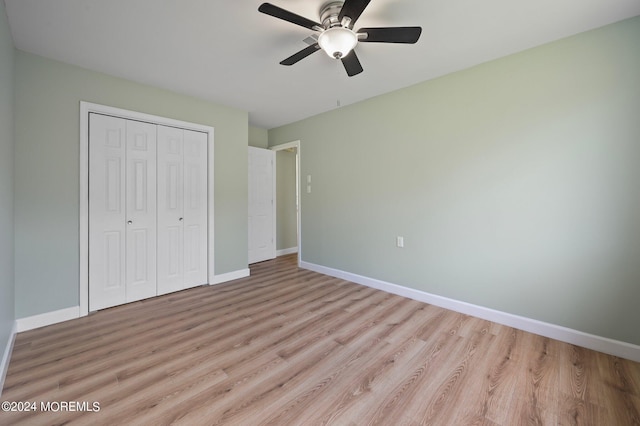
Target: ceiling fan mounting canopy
point(337, 37)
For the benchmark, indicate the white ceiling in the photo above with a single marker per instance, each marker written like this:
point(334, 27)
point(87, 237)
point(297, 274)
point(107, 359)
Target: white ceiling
point(229, 53)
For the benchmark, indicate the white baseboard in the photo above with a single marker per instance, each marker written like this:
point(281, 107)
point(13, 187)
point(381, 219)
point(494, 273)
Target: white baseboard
point(289, 250)
point(564, 334)
point(37, 321)
point(6, 357)
point(230, 276)
point(41, 320)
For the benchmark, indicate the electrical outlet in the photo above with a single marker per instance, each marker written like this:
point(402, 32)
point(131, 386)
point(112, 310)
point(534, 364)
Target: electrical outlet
point(400, 242)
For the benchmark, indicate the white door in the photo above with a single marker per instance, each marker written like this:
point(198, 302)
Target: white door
point(107, 213)
point(195, 208)
point(141, 211)
point(262, 245)
point(121, 211)
point(182, 209)
point(170, 211)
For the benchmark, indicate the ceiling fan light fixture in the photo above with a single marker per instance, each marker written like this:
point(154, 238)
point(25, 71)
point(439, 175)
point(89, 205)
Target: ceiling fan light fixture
point(337, 42)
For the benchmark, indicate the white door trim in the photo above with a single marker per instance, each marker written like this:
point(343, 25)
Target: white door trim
point(296, 145)
point(85, 109)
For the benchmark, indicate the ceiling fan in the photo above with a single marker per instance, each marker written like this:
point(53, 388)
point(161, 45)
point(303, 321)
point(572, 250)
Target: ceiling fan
point(337, 37)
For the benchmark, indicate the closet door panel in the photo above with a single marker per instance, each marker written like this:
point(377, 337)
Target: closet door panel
point(141, 211)
point(107, 211)
point(195, 208)
point(170, 209)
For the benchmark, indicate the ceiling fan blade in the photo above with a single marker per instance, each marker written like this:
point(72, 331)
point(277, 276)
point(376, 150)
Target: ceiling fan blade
point(285, 15)
point(301, 54)
point(390, 35)
point(352, 64)
point(353, 9)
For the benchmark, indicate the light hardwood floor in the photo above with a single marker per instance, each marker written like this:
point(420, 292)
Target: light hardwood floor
point(292, 347)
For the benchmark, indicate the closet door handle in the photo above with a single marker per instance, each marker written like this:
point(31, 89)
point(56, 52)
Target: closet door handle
point(129, 222)
point(180, 219)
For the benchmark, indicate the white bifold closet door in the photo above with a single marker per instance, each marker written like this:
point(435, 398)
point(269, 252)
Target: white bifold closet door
point(122, 210)
point(147, 210)
point(182, 209)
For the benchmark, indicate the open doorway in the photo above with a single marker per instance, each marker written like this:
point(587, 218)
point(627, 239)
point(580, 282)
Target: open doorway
point(288, 235)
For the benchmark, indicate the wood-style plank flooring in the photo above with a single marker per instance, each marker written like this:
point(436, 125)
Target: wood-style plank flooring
point(288, 346)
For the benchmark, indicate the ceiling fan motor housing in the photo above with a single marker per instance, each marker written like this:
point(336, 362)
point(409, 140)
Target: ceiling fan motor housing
point(329, 14)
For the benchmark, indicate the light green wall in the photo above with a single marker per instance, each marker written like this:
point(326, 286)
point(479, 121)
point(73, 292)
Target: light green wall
point(7, 53)
point(516, 184)
point(48, 96)
point(286, 221)
point(258, 137)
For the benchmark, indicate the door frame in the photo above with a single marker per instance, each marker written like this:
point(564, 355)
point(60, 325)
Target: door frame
point(85, 109)
point(296, 145)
